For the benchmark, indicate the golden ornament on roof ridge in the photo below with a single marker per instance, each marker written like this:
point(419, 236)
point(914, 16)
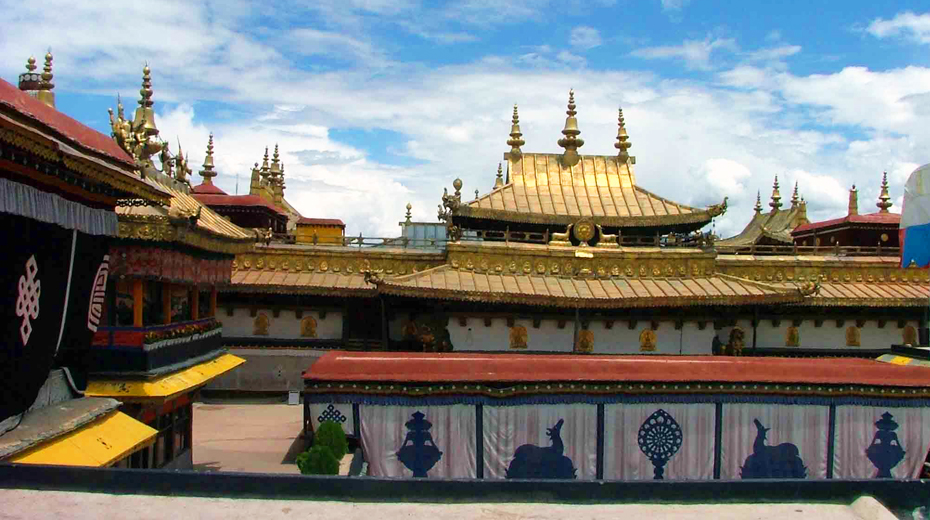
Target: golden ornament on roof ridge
point(516, 136)
point(884, 199)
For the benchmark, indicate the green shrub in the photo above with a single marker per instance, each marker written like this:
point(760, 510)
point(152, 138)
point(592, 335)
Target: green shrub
point(319, 460)
point(330, 434)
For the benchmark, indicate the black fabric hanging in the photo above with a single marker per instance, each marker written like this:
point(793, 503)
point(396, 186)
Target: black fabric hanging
point(36, 257)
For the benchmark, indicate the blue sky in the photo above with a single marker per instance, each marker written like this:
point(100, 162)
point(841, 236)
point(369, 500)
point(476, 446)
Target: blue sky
point(379, 102)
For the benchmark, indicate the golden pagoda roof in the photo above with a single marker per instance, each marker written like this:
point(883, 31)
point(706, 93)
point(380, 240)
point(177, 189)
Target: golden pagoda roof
point(210, 231)
point(776, 225)
point(541, 189)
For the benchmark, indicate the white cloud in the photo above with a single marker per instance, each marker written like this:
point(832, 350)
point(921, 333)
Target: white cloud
point(915, 27)
point(695, 53)
point(584, 37)
point(774, 53)
point(725, 176)
point(674, 5)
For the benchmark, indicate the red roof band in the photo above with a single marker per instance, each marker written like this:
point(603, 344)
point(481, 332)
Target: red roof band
point(871, 218)
point(499, 368)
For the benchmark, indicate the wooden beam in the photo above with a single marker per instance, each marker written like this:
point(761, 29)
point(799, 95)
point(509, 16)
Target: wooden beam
point(137, 302)
point(213, 302)
point(166, 302)
point(195, 303)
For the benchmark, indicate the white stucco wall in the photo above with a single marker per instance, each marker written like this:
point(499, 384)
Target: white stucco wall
point(285, 326)
point(550, 338)
point(827, 336)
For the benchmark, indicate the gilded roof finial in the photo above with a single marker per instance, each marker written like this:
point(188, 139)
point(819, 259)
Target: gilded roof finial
point(457, 184)
point(409, 207)
point(776, 197)
point(571, 142)
point(758, 206)
point(623, 139)
point(853, 208)
point(794, 197)
point(145, 112)
point(884, 200)
point(45, 86)
point(275, 162)
point(516, 136)
point(265, 163)
point(29, 81)
point(208, 172)
point(499, 181)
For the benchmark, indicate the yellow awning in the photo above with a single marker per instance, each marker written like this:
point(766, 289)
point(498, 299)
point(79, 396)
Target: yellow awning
point(98, 443)
point(895, 359)
point(165, 386)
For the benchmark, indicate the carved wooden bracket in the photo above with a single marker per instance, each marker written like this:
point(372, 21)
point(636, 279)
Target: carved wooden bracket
point(797, 322)
point(882, 323)
point(463, 321)
point(487, 322)
point(702, 324)
point(718, 324)
point(585, 324)
point(253, 312)
point(229, 311)
point(608, 324)
point(561, 324)
point(902, 324)
point(840, 323)
point(860, 323)
point(323, 315)
point(679, 324)
point(776, 322)
point(654, 325)
point(276, 311)
point(511, 321)
point(818, 323)
point(632, 324)
point(537, 322)
point(299, 313)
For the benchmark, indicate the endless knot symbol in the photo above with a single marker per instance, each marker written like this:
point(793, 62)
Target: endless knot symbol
point(332, 414)
point(27, 298)
point(98, 294)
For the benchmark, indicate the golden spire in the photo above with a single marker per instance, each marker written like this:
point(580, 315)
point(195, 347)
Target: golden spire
point(265, 167)
point(794, 197)
point(758, 206)
point(208, 172)
point(776, 197)
point(29, 80)
point(571, 142)
point(409, 207)
point(623, 139)
point(144, 112)
point(499, 182)
point(275, 163)
point(884, 200)
point(45, 93)
point(853, 208)
point(515, 140)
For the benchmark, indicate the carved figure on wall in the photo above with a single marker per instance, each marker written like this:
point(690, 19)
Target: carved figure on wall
point(735, 344)
point(782, 461)
point(853, 336)
point(585, 342)
point(518, 337)
point(260, 325)
point(419, 452)
point(659, 439)
point(792, 337)
point(647, 341)
point(531, 461)
point(886, 451)
point(308, 327)
point(909, 335)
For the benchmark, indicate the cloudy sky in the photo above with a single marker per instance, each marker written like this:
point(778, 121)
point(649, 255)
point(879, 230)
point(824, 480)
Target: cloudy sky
point(379, 102)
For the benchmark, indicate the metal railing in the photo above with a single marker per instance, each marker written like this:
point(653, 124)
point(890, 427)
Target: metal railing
point(796, 250)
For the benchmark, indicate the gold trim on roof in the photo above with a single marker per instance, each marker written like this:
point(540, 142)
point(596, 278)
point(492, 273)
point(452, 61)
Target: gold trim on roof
point(163, 387)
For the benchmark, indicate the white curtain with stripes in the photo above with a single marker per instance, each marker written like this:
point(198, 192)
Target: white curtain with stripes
point(900, 440)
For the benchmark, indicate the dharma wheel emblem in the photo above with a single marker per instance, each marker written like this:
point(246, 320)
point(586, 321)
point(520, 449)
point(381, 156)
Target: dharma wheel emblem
point(660, 439)
point(583, 231)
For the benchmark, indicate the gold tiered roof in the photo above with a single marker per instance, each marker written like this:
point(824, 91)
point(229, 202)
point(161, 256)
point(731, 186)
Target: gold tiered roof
point(772, 228)
point(559, 189)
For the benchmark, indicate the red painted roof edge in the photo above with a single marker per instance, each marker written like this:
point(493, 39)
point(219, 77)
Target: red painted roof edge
point(869, 218)
point(70, 129)
point(515, 368)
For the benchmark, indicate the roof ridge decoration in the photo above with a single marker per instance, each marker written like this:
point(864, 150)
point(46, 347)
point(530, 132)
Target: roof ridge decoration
point(884, 200)
point(758, 206)
point(775, 204)
point(208, 172)
point(139, 136)
point(795, 200)
point(45, 87)
point(571, 142)
point(499, 181)
point(29, 80)
point(516, 137)
point(623, 144)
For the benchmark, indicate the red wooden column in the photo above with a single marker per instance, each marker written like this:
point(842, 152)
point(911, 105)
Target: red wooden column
point(137, 303)
point(195, 303)
point(166, 302)
point(213, 302)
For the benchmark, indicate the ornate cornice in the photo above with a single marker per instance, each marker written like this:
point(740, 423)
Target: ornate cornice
point(158, 228)
point(336, 260)
point(697, 217)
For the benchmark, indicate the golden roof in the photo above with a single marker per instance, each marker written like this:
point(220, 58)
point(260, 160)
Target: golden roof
point(866, 294)
point(541, 189)
point(449, 283)
point(210, 231)
point(321, 283)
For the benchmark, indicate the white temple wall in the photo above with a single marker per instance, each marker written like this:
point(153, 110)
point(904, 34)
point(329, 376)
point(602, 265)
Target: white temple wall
point(827, 336)
point(285, 326)
point(476, 336)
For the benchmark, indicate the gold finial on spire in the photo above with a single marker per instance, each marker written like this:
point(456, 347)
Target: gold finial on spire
point(208, 172)
point(409, 216)
point(499, 181)
point(776, 196)
point(516, 137)
point(758, 206)
point(275, 162)
point(623, 143)
point(571, 142)
point(45, 87)
point(145, 112)
point(794, 197)
point(31, 64)
point(884, 200)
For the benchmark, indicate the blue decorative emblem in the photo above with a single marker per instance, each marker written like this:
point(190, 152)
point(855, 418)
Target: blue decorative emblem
point(660, 439)
point(886, 451)
point(782, 461)
point(418, 452)
point(531, 461)
point(331, 414)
